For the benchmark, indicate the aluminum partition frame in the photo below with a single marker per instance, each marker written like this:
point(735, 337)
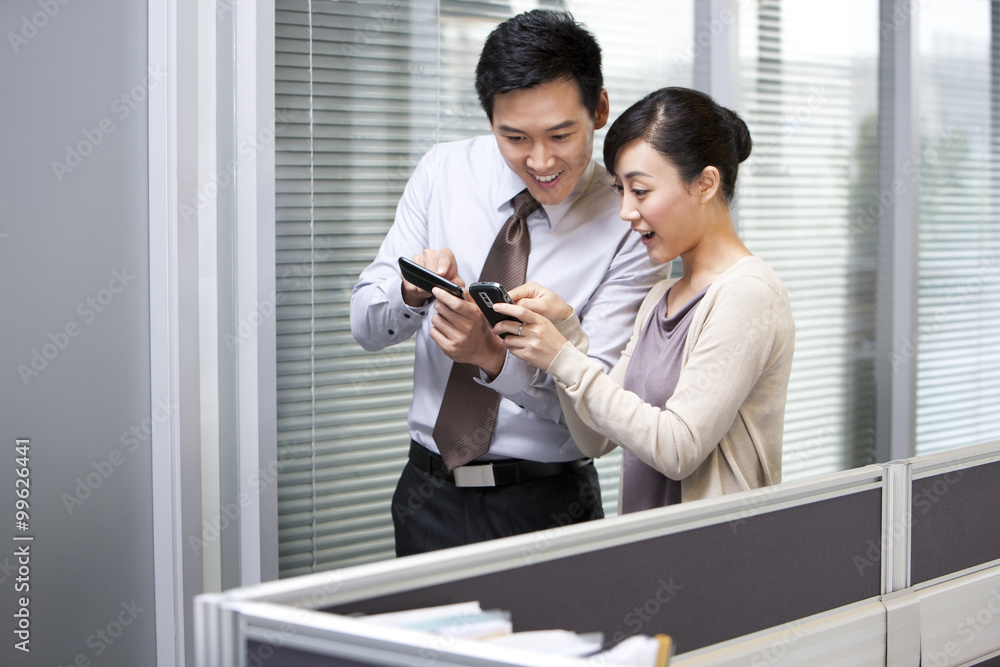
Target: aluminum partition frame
point(235, 613)
point(955, 459)
point(896, 522)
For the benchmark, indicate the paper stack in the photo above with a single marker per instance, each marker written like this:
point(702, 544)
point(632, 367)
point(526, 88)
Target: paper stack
point(467, 620)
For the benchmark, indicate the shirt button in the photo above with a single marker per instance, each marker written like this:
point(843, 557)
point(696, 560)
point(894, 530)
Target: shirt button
point(406, 315)
point(391, 332)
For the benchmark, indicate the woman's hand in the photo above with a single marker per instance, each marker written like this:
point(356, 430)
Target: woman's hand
point(541, 300)
point(536, 341)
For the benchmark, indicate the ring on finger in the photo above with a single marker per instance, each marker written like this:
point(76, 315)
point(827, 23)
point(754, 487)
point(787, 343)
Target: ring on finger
point(519, 329)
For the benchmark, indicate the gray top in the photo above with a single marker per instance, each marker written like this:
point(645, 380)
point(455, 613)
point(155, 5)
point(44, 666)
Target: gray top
point(652, 375)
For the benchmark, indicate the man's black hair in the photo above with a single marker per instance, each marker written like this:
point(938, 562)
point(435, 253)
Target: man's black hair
point(537, 47)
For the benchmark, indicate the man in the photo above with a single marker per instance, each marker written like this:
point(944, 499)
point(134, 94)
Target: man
point(539, 80)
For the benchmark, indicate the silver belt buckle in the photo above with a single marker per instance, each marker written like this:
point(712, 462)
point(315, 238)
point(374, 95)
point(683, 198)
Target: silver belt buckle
point(477, 475)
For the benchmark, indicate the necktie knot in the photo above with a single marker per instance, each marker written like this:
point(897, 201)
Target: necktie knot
point(525, 204)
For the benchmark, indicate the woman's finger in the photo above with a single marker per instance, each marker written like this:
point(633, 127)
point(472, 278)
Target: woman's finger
point(520, 312)
point(528, 290)
point(509, 328)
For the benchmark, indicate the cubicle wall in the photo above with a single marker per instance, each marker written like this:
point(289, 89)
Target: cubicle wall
point(701, 585)
point(856, 568)
point(956, 514)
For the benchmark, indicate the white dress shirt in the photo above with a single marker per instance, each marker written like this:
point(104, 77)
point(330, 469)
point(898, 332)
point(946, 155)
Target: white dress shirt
point(459, 197)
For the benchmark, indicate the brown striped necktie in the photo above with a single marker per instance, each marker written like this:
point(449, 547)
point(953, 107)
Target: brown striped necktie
point(468, 412)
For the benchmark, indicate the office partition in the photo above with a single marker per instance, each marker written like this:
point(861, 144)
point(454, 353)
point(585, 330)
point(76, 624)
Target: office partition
point(889, 564)
point(703, 573)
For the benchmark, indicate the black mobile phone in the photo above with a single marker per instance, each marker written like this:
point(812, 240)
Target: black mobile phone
point(485, 295)
point(426, 279)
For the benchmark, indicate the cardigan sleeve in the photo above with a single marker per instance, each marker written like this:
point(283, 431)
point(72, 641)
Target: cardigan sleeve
point(728, 347)
point(590, 441)
point(572, 330)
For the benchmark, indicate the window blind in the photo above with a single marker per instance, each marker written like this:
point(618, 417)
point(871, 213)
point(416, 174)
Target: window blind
point(957, 346)
point(354, 105)
point(362, 90)
point(808, 82)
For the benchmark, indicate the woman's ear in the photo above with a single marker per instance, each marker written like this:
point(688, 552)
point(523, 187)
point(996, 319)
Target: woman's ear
point(709, 184)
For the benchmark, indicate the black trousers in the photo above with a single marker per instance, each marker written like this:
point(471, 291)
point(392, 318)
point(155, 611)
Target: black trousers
point(431, 513)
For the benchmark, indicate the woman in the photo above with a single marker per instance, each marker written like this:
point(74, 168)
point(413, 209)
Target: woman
point(697, 400)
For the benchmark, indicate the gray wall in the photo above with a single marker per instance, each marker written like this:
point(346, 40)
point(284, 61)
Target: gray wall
point(74, 326)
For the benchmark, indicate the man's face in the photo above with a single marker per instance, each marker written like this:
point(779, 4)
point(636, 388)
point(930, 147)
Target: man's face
point(546, 136)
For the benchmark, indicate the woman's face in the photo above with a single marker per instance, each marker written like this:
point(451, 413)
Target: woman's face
point(659, 206)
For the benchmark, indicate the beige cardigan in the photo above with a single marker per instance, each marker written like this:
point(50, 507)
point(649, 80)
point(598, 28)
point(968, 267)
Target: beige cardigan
point(721, 430)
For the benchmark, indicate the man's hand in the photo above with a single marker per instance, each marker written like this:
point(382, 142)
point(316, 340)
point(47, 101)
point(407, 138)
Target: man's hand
point(464, 335)
point(541, 300)
point(441, 262)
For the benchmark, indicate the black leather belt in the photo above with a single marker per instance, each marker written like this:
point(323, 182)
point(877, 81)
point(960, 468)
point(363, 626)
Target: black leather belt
point(489, 473)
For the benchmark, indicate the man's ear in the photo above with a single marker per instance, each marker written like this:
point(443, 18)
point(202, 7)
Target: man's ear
point(603, 110)
point(709, 184)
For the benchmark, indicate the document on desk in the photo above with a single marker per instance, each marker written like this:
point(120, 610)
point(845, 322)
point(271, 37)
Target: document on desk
point(466, 620)
point(636, 651)
point(641, 651)
point(553, 642)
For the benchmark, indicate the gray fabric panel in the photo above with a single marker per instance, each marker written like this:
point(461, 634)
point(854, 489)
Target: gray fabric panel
point(701, 586)
point(956, 521)
point(262, 654)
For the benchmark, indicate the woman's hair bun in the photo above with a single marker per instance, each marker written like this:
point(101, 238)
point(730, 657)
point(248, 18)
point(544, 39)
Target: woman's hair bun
point(741, 134)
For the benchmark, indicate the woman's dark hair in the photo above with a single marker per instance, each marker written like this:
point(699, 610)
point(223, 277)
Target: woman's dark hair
point(689, 129)
point(537, 47)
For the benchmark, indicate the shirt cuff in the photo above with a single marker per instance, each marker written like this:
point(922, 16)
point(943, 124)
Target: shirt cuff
point(394, 292)
point(513, 377)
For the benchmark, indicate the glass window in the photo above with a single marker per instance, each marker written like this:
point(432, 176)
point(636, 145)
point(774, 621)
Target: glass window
point(957, 346)
point(808, 80)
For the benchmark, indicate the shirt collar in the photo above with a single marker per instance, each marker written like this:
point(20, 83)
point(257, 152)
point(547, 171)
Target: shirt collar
point(511, 184)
